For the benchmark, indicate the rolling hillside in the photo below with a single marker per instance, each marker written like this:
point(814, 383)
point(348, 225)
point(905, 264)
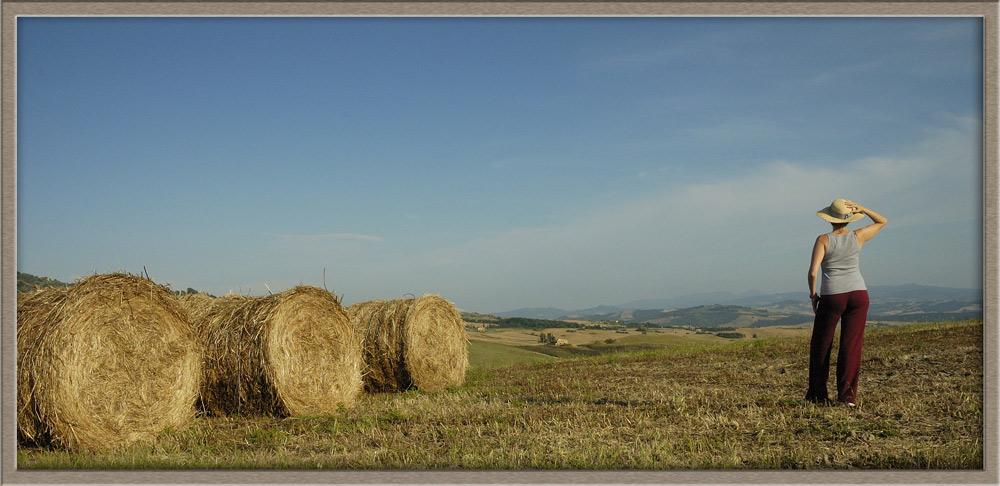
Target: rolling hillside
point(891, 304)
point(27, 282)
point(702, 317)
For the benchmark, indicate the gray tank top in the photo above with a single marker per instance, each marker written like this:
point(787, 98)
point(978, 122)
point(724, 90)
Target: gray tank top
point(841, 271)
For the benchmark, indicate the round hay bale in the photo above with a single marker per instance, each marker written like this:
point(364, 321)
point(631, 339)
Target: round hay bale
point(196, 306)
point(407, 343)
point(290, 353)
point(106, 362)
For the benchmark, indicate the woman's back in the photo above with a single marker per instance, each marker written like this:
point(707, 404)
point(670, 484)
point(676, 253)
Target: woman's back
point(841, 265)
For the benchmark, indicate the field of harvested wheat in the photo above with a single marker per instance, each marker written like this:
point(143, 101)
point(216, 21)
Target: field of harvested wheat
point(730, 406)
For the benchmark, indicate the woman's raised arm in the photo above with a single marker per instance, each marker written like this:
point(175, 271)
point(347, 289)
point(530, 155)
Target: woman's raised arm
point(868, 232)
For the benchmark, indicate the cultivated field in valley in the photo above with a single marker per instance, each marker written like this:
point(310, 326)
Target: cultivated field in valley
point(577, 337)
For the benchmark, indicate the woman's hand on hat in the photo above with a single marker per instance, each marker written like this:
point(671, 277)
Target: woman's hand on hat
point(853, 206)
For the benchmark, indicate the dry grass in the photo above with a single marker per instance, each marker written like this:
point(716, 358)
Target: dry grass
point(411, 343)
point(106, 362)
point(921, 407)
point(290, 353)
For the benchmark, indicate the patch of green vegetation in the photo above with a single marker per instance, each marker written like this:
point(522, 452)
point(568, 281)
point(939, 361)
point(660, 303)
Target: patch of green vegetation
point(516, 322)
point(27, 282)
point(489, 355)
point(731, 335)
point(708, 316)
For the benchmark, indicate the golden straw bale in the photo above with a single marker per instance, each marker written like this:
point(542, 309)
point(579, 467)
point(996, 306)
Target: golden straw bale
point(290, 353)
point(380, 324)
point(417, 342)
point(106, 362)
point(196, 306)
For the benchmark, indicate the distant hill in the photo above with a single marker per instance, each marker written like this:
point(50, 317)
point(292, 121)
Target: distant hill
point(900, 303)
point(487, 320)
point(705, 298)
point(599, 310)
point(534, 313)
point(923, 293)
point(756, 299)
point(27, 282)
point(702, 317)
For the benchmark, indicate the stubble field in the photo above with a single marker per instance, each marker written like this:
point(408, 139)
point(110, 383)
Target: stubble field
point(700, 405)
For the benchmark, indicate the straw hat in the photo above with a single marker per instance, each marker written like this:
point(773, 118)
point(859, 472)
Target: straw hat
point(837, 212)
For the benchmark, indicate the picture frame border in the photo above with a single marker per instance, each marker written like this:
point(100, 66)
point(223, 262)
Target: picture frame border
point(12, 10)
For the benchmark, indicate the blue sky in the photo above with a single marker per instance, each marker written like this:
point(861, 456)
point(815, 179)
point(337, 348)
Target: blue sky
point(498, 162)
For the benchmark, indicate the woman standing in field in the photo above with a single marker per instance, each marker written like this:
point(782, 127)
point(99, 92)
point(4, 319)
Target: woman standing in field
point(842, 297)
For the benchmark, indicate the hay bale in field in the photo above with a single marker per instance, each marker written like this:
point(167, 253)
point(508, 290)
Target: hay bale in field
point(290, 353)
point(196, 306)
point(105, 362)
point(407, 343)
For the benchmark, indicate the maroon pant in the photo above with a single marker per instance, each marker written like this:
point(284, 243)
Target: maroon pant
point(851, 309)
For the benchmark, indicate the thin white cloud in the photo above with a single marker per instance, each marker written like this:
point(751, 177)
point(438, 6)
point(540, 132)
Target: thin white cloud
point(752, 232)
